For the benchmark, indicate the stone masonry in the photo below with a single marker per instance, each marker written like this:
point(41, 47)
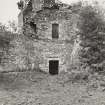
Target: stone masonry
point(52, 27)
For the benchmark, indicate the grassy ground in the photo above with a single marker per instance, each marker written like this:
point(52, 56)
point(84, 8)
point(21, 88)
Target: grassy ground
point(34, 88)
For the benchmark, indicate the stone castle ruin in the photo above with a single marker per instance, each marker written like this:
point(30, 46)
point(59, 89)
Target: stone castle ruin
point(52, 26)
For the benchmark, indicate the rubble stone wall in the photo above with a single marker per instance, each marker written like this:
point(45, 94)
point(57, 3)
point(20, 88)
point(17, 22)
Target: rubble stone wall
point(45, 48)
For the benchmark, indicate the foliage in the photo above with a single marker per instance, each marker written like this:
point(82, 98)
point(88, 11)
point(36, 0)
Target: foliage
point(17, 52)
point(92, 36)
point(13, 26)
point(3, 28)
point(5, 38)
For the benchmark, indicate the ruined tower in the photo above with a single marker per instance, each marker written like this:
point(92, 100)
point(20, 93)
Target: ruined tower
point(51, 25)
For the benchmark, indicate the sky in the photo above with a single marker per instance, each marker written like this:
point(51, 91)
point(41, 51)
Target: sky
point(9, 9)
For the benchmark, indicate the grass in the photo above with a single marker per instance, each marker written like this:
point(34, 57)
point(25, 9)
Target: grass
point(37, 88)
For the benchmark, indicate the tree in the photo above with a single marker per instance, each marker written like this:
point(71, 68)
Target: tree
point(13, 26)
point(92, 36)
point(3, 27)
point(5, 38)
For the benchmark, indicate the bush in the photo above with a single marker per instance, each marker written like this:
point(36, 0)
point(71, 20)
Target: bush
point(92, 36)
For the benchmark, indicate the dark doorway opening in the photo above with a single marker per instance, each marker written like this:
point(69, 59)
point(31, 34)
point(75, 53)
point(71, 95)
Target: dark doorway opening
point(53, 67)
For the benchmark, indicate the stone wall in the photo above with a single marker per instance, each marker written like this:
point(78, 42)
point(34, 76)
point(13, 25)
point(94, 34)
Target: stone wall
point(41, 47)
point(22, 55)
point(66, 19)
point(20, 22)
point(37, 5)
